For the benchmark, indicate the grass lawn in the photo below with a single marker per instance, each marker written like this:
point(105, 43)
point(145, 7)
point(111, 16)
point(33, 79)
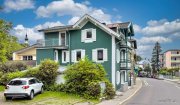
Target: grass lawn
point(53, 98)
point(1, 88)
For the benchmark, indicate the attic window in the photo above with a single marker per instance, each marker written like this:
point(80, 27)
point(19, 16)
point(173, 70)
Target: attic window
point(89, 34)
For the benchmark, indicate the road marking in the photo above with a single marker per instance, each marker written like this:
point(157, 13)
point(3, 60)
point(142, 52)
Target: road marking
point(178, 87)
point(146, 83)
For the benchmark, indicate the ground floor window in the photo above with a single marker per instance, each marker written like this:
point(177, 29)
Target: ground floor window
point(27, 58)
point(78, 55)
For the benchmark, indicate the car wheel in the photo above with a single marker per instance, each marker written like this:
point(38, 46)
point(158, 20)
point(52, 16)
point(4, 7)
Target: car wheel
point(42, 90)
point(31, 96)
point(8, 98)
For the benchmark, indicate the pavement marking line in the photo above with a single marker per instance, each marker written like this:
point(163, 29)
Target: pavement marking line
point(146, 83)
point(131, 95)
point(178, 87)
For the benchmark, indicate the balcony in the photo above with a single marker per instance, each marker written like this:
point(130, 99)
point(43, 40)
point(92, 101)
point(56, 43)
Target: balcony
point(125, 64)
point(52, 43)
point(175, 61)
point(175, 55)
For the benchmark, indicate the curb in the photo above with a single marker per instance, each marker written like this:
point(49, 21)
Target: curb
point(131, 95)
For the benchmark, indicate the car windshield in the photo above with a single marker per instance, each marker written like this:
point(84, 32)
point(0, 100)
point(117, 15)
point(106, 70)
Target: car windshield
point(17, 82)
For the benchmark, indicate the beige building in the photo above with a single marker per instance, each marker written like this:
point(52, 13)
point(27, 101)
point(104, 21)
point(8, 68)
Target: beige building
point(170, 58)
point(25, 54)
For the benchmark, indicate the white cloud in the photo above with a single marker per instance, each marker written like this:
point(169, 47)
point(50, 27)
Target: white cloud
point(161, 27)
point(18, 5)
point(61, 8)
point(72, 8)
point(33, 34)
point(145, 51)
point(73, 20)
point(154, 39)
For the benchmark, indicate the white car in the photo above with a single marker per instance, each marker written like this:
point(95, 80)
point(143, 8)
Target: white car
point(23, 87)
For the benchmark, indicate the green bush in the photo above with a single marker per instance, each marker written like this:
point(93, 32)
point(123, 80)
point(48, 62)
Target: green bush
point(57, 87)
point(9, 76)
point(32, 72)
point(13, 66)
point(1, 74)
point(93, 91)
point(83, 75)
point(109, 92)
point(48, 72)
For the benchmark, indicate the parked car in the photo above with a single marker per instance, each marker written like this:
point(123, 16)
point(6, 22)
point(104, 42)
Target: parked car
point(23, 87)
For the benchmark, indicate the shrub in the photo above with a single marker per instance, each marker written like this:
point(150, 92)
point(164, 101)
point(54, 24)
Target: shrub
point(13, 66)
point(48, 72)
point(93, 91)
point(32, 72)
point(109, 92)
point(1, 74)
point(81, 77)
point(9, 76)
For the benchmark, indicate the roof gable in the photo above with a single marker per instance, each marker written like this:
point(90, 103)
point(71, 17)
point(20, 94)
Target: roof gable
point(25, 49)
point(81, 22)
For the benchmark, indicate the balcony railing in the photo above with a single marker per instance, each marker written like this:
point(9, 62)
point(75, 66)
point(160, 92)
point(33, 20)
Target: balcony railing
point(175, 55)
point(51, 43)
point(125, 63)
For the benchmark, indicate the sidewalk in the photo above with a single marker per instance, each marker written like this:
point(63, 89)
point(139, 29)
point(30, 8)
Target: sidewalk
point(120, 99)
point(173, 80)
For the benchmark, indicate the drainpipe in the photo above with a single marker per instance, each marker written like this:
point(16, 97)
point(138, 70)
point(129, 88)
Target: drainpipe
point(69, 45)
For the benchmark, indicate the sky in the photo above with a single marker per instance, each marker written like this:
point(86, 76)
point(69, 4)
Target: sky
point(153, 20)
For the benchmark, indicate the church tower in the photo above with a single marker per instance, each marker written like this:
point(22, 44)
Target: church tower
point(26, 39)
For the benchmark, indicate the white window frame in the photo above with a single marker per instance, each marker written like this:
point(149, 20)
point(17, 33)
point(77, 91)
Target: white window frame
point(118, 77)
point(56, 56)
point(84, 35)
point(95, 55)
point(74, 52)
point(118, 55)
point(67, 56)
point(60, 37)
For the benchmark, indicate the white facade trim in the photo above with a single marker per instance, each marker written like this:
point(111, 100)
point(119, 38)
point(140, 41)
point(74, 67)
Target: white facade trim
point(113, 62)
point(60, 37)
point(73, 55)
point(95, 57)
point(14, 56)
point(86, 17)
point(67, 56)
point(56, 55)
point(84, 37)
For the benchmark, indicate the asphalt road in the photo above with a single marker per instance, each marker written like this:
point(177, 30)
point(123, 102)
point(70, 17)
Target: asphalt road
point(156, 92)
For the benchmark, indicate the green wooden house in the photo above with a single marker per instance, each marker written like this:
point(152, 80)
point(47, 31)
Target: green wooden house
point(105, 44)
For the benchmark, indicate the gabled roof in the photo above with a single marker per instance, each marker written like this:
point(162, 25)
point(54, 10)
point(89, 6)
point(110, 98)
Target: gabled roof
point(26, 48)
point(82, 21)
point(120, 25)
point(69, 27)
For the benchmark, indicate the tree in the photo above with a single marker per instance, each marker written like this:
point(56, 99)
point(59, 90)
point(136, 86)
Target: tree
point(12, 46)
point(4, 29)
point(138, 58)
point(155, 57)
point(8, 43)
point(147, 68)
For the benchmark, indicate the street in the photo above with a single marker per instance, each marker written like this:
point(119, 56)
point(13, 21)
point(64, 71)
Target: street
point(156, 92)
